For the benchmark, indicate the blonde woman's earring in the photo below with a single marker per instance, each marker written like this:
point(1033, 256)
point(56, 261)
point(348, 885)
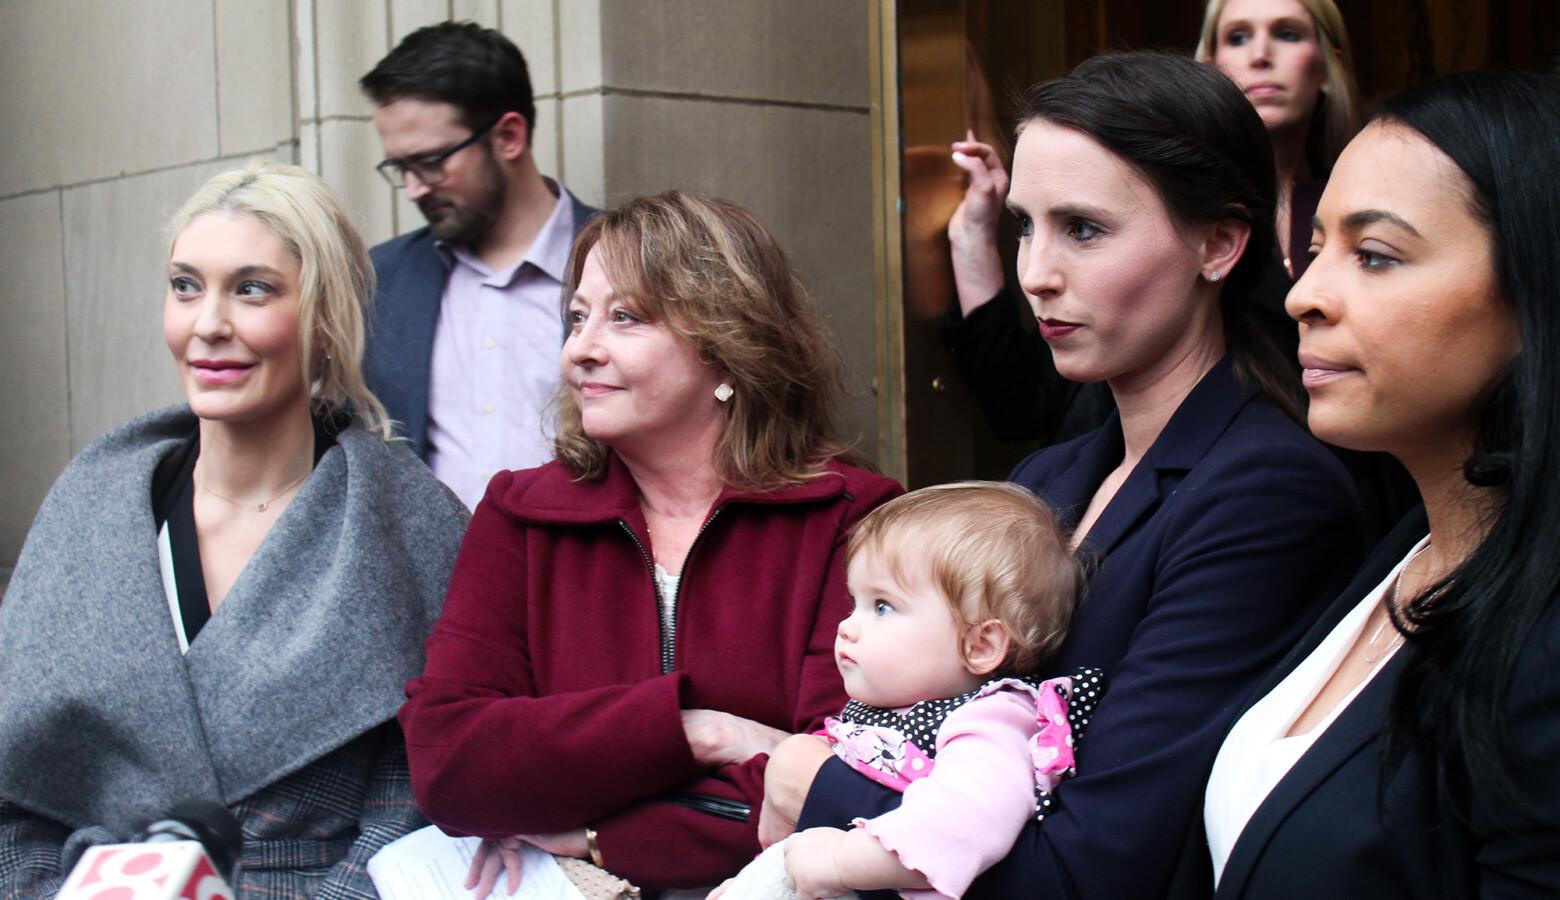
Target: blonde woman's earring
point(724, 392)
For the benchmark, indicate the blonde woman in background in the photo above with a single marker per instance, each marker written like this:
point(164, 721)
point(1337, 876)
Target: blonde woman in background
point(1292, 60)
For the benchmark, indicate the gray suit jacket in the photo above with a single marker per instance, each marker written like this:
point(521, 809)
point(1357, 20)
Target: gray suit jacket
point(400, 334)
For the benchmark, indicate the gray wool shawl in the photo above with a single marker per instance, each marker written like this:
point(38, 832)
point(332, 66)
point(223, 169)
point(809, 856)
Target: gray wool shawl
point(103, 722)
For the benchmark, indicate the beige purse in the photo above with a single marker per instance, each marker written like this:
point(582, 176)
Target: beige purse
point(595, 882)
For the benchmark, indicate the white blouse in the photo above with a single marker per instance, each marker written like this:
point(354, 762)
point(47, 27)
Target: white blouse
point(1258, 752)
point(666, 583)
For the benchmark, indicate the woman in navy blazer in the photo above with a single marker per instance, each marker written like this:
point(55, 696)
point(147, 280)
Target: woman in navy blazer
point(1215, 527)
point(1410, 745)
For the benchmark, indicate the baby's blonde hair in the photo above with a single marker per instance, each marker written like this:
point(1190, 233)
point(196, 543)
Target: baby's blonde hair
point(993, 551)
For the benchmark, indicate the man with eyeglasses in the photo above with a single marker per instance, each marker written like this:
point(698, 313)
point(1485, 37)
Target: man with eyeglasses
point(466, 330)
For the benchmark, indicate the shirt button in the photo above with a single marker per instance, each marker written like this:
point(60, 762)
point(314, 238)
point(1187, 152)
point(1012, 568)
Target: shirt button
point(487, 408)
point(491, 343)
point(487, 475)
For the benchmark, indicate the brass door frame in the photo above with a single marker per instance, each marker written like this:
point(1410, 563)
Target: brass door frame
point(887, 239)
point(921, 50)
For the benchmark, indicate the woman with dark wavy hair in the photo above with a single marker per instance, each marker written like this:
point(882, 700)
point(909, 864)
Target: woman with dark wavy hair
point(1410, 745)
point(1292, 60)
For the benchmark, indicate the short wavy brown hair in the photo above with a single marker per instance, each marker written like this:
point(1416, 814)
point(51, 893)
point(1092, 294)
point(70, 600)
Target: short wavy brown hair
point(714, 275)
point(993, 550)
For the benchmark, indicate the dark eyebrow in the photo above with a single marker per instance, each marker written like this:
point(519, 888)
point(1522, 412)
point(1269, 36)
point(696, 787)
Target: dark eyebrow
point(1015, 209)
point(421, 155)
point(184, 267)
point(1356, 221)
point(1073, 210)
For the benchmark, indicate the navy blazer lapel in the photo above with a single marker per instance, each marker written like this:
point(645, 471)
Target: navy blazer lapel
point(1197, 424)
point(1351, 733)
point(1069, 492)
point(582, 213)
point(1348, 734)
point(1135, 500)
point(1387, 554)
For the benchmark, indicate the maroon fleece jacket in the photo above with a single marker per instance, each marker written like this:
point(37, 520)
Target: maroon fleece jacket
point(544, 706)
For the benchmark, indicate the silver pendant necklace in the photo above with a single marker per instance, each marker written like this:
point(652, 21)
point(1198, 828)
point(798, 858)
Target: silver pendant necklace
point(1397, 638)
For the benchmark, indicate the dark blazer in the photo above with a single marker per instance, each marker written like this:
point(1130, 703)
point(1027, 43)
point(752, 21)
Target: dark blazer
point(1213, 558)
point(1327, 830)
point(411, 278)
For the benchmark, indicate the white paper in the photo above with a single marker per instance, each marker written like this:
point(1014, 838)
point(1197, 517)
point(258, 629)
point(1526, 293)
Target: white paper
point(430, 865)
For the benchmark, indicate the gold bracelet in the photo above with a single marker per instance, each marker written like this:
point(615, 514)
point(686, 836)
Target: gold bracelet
point(595, 851)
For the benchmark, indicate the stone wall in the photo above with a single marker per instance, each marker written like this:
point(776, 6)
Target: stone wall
point(114, 112)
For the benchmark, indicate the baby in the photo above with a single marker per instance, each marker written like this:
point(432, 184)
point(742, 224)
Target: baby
point(960, 592)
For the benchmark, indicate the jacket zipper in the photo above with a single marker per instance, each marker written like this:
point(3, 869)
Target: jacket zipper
point(711, 805)
point(719, 807)
point(667, 629)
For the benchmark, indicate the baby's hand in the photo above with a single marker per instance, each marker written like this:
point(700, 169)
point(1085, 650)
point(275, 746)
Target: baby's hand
point(787, 779)
point(812, 865)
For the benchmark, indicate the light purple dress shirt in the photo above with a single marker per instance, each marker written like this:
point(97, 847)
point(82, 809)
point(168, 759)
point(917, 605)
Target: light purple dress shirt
point(495, 359)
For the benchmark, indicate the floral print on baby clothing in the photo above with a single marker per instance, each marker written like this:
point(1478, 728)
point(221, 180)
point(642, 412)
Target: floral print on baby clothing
point(895, 748)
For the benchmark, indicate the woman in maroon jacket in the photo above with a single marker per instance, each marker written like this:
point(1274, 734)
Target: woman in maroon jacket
point(632, 627)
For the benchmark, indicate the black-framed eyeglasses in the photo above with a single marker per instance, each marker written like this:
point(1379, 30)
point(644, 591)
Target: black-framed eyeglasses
point(429, 169)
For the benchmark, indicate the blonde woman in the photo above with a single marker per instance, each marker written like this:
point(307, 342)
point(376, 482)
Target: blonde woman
point(1293, 61)
point(223, 599)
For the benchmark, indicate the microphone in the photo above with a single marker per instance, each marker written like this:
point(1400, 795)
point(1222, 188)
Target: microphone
point(189, 854)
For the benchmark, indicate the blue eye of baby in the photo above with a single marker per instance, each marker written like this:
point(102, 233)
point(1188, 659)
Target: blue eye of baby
point(882, 608)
